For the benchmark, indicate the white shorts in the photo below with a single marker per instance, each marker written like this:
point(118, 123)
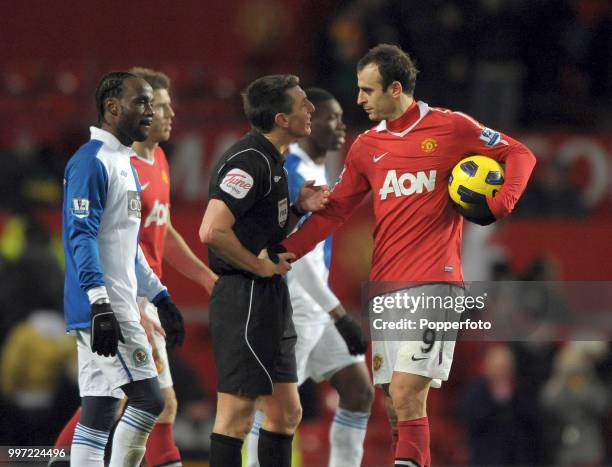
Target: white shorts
point(104, 376)
point(432, 356)
point(160, 355)
point(320, 351)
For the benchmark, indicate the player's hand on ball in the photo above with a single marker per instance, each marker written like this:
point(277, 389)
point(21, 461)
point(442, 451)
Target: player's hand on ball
point(478, 210)
point(172, 321)
point(352, 334)
point(105, 330)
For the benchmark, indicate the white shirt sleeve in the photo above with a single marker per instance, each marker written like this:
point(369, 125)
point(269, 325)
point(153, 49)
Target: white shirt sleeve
point(149, 284)
point(312, 280)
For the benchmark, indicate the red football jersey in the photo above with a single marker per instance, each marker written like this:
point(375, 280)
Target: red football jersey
point(154, 180)
point(406, 163)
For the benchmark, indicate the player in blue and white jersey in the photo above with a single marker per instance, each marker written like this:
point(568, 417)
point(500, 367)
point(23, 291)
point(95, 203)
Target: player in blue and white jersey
point(105, 271)
point(330, 345)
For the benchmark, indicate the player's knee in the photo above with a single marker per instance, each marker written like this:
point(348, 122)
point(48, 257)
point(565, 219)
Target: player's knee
point(170, 407)
point(293, 417)
point(156, 403)
point(358, 398)
point(235, 422)
point(145, 395)
point(391, 415)
point(408, 402)
point(98, 412)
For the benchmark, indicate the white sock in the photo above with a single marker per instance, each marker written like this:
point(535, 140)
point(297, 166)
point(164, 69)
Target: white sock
point(346, 436)
point(130, 437)
point(253, 440)
point(87, 448)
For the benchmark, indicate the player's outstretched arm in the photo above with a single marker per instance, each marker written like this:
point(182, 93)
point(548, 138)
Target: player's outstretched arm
point(181, 258)
point(216, 232)
point(311, 198)
point(346, 196)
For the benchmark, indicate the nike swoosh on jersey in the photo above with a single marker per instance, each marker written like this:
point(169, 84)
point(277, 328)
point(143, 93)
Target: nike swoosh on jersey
point(417, 359)
point(377, 158)
point(144, 186)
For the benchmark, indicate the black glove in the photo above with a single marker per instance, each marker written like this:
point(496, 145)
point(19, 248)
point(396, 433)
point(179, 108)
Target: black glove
point(478, 210)
point(352, 334)
point(273, 252)
point(172, 322)
point(105, 330)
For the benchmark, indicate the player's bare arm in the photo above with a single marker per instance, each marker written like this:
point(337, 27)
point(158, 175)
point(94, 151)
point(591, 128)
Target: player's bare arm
point(216, 231)
point(178, 254)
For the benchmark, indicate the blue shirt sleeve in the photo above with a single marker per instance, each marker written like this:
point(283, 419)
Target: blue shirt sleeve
point(296, 180)
point(85, 193)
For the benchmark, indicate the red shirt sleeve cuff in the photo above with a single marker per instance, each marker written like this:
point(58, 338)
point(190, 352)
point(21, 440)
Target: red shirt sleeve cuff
point(497, 208)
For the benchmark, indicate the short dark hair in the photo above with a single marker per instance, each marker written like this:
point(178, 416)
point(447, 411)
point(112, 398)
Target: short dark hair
point(156, 79)
point(267, 96)
point(393, 65)
point(318, 95)
point(111, 85)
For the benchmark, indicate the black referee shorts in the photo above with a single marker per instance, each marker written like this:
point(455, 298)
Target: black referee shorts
point(251, 324)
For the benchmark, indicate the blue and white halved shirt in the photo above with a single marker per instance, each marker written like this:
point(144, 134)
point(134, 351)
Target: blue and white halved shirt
point(311, 297)
point(100, 225)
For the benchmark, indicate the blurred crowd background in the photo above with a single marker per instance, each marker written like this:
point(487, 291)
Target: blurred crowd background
point(539, 70)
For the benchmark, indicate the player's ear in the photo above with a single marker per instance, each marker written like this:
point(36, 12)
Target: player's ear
point(281, 120)
point(112, 105)
point(396, 88)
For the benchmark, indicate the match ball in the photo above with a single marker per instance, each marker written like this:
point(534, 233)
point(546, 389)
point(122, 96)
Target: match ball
point(478, 174)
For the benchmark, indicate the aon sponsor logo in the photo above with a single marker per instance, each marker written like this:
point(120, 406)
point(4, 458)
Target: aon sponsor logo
point(407, 184)
point(160, 214)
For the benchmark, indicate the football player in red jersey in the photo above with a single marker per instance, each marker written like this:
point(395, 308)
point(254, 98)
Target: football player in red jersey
point(405, 161)
point(159, 241)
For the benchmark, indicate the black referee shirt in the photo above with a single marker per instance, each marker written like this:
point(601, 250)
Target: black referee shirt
point(251, 180)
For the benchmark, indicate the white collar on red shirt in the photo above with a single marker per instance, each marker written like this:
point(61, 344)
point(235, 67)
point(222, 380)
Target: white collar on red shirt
point(110, 140)
point(146, 161)
point(409, 117)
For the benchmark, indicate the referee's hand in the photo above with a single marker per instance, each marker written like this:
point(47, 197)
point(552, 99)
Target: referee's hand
point(277, 263)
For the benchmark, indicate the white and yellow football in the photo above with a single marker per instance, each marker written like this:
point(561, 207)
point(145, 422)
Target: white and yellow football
point(478, 174)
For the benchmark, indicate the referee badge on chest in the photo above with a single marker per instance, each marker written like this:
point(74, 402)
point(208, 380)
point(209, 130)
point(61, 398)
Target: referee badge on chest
point(283, 210)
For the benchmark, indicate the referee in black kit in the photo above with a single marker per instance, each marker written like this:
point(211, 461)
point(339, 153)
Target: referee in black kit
point(250, 311)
